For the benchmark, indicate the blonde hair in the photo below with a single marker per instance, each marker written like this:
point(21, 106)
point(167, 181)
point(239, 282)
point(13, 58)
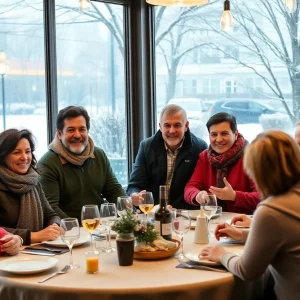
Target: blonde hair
point(172, 109)
point(273, 161)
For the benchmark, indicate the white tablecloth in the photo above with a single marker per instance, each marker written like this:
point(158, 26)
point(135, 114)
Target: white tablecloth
point(143, 280)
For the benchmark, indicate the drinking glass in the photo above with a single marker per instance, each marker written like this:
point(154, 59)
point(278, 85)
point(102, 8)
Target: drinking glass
point(124, 203)
point(209, 206)
point(70, 233)
point(108, 215)
point(90, 219)
point(181, 224)
point(217, 219)
point(146, 203)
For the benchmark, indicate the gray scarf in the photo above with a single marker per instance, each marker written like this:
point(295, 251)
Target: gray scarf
point(77, 160)
point(31, 213)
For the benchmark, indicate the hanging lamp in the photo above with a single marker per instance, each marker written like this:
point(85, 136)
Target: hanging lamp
point(179, 3)
point(226, 22)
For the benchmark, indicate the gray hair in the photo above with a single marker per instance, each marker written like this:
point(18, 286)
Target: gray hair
point(172, 109)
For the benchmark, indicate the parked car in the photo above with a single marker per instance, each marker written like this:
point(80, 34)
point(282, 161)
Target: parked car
point(193, 108)
point(245, 110)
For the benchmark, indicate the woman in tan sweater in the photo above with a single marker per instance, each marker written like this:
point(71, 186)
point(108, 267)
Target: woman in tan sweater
point(273, 241)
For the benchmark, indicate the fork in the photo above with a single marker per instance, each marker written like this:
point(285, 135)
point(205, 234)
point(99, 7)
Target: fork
point(62, 271)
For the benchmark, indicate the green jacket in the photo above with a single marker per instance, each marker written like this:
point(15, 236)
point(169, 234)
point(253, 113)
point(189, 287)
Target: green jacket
point(68, 187)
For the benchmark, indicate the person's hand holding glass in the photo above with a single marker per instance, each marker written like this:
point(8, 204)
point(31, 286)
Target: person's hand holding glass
point(146, 202)
point(69, 234)
point(108, 215)
point(90, 219)
point(124, 203)
point(181, 224)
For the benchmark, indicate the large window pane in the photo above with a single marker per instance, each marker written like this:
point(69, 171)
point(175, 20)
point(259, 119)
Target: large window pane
point(22, 97)
point(257, 62)
point(90, 68)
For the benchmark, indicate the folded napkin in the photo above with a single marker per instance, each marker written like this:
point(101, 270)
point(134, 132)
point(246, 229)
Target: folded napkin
point(40, 249)
point(195, 265)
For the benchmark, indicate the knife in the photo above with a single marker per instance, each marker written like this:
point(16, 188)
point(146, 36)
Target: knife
point(38, 252)
point(44, 249)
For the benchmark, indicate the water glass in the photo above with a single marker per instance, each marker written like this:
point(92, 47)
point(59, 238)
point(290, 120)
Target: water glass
point(215, 220)
point(69, 234)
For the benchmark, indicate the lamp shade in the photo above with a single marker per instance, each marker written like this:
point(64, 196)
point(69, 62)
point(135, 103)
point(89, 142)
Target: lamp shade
point(177, 2)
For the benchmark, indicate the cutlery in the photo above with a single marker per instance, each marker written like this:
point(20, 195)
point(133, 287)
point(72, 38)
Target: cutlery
point(198, 267)
point(44, 248)
point(37, 252)
point(62, 271)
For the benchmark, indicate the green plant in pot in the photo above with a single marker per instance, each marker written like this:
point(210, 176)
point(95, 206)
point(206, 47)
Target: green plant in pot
point(129, 228)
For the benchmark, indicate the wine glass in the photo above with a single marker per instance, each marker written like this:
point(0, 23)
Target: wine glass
point(108, 215)
point(70, 233)
point(146, 202)
point(124, 203)
point(209, 206)
point(181, 224)
point(90, 219)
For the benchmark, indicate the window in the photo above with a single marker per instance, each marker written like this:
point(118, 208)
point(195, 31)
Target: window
point(189, 87)
point(23, 73)
point(251, 62)
point(90, 68)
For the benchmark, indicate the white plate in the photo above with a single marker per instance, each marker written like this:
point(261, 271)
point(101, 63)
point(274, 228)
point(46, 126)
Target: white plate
point(59, 243)
point(101, 230)
point(195, 257)
point(195, 213)
point(28, 264)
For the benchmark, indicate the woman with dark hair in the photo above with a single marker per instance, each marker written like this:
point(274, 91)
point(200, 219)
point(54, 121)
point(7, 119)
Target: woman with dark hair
point(219, 169)
point(273, 241)
point(24, 209)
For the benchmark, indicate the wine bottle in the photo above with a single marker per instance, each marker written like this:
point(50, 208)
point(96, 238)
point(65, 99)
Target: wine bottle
point(163, 216)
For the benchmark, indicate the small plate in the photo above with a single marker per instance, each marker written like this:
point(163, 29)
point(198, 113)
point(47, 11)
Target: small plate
point(201, 261)
point(28, 265)
point(157, 254)
point(59, 243)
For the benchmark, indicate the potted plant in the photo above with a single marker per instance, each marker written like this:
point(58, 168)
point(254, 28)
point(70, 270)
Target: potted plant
point(129, 228)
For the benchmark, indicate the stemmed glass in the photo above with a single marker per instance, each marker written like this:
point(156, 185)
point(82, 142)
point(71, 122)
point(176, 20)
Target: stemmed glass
point(70, 233)
point(108, 215)
point(124, 203)
point(90, 219)
point(181, 224)
point(146, 203)
point(209, 206)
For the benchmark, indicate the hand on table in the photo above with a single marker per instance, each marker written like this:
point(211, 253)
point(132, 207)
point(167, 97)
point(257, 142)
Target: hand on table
point(50, 233)
point(241, 220)
point(213, 253)
point(225, 193)
point(11, 244)
point(226, 230)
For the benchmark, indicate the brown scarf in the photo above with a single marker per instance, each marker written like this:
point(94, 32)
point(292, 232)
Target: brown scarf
point(72, 158)
point(31, 212)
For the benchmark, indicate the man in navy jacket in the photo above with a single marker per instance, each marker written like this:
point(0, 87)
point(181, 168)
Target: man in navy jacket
point(167, 158)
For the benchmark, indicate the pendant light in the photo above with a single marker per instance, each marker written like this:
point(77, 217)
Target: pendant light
point(226, 22)
point(179, 3)
point(291, 5)
point(84, 4)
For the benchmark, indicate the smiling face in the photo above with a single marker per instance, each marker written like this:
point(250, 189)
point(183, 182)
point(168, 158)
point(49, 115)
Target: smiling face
point(20, 158)
point(74, 135)
point(173, 128)
point(221, 137)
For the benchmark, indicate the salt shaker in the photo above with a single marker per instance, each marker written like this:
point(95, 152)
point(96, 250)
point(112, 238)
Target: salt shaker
point(201, 231)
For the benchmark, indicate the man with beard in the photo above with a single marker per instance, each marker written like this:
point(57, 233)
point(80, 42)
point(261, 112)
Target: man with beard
point(74, 172)
point(166, 158)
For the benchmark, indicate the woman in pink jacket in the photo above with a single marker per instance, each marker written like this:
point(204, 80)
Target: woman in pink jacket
point(9, 243)
point(219, 169)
